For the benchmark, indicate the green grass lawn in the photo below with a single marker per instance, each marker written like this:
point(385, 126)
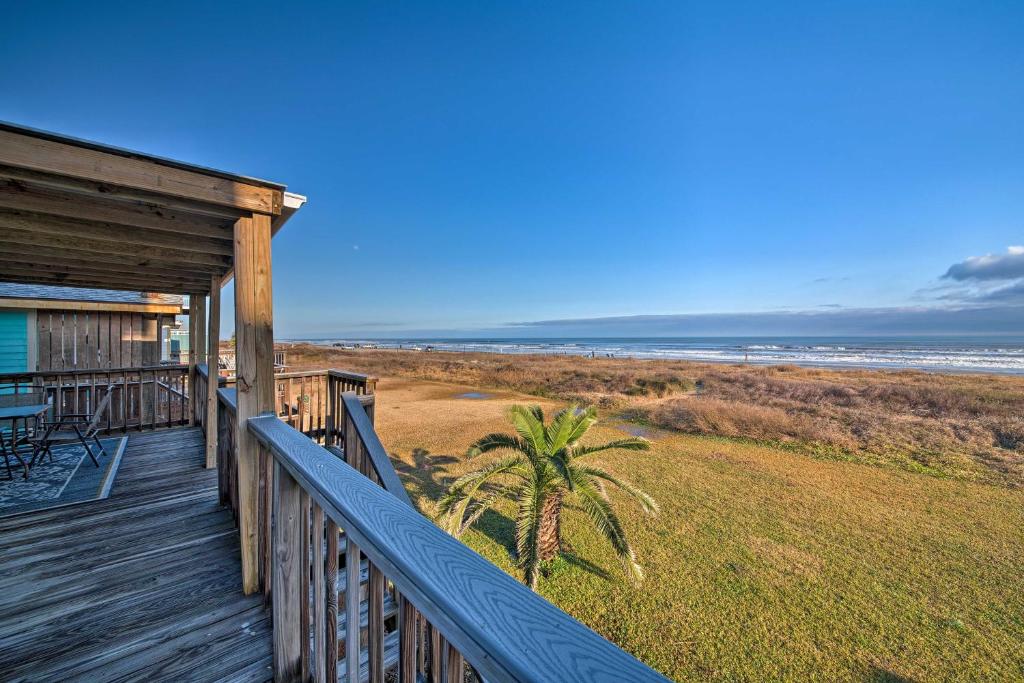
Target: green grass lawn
point(764, 564)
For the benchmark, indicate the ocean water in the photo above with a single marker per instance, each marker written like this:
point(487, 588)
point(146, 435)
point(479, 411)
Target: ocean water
point(1001, 354)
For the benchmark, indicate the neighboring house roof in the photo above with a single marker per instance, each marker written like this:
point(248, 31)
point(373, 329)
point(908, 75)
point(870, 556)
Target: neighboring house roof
point(16, 295)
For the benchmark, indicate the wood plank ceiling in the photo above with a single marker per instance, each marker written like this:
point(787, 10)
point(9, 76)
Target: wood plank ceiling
point(78, 214)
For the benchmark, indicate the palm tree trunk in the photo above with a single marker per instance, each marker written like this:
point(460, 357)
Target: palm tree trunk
point(549, 535)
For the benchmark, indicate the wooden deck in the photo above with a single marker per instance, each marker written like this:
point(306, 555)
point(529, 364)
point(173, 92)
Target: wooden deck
point(144, 585)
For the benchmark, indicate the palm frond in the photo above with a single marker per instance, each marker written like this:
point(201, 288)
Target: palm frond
point(648, 503)
point(529, 423)
point(584, 420)
point(561, 427)
point(497, 441)
point(527, 531)
point(460, 494)
point(485, 502)
point(560, 464)
point(633, 443)
point(607, 522)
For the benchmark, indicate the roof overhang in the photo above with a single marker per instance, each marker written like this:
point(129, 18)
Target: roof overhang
point(82, 214)
point(78, 305)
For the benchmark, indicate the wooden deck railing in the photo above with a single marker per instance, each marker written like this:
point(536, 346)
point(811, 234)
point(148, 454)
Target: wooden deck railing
point(308, 400)
point(227, 463)
point(142, 397)
point(455, 609)
point(425, 604)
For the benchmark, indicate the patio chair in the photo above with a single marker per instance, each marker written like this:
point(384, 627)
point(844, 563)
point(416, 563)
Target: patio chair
point(81, 428)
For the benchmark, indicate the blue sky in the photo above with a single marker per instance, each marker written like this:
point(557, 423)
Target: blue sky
point(471, 164)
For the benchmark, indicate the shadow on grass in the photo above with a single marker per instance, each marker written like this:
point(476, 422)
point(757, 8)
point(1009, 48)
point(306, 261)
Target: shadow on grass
point(499, 529)
point(425, 472)
point(878, 674)
point(585, 565)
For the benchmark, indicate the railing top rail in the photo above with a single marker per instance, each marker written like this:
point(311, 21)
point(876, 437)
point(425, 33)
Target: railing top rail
point(506, 631)
point(345, 374)
point(229, 397)
point(204, 370)
point(300, 373)
point(92, 371)
point(373, 448)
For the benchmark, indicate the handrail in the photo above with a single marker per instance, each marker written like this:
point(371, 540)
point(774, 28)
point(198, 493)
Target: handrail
point(229, 397)
point(373, 448)
point(93, 371)
point(356, 376)
point(144, 396)
point(505, 631)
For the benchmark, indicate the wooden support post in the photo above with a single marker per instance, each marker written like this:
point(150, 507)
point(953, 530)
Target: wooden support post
point(213, 341)
point(254, 368)
point(196, 347)
point(288, 568)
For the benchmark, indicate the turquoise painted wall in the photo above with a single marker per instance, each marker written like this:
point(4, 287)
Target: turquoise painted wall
point(13, 341)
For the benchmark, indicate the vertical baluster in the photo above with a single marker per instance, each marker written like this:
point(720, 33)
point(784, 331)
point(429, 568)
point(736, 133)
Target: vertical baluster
point(304, 616)
point(224, 421)
point(265, 521)
point(407, 630)
point(331, 584)
point(262, 539)
point(110, 406)
point(329, 421)
point(139, 402)
point(352, 561)
point(375, 624)
point(319, 597)
point(124, 401)
point(320, 382)
point(421, 636)
point(288, 565)
point(289, 396)
point(453, 665)
point(436, 657)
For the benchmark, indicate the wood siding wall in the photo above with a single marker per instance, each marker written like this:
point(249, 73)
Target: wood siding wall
point(86, 340)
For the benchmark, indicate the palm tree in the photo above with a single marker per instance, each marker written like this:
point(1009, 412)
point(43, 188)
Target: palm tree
point(544, 468)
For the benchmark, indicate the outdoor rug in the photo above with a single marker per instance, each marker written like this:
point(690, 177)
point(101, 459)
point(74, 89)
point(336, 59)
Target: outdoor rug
point(70, 478)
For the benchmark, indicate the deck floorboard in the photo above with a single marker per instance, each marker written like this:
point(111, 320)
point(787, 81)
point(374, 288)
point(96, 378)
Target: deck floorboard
point(142, 586)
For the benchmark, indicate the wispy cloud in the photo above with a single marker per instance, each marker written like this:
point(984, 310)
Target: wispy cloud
point(995, 318)
point(1010, 294)
point(1008, 266)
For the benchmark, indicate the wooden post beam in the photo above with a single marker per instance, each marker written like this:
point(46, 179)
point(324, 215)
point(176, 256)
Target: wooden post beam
point(196, 345)
point(212, 374)
point(254, 368)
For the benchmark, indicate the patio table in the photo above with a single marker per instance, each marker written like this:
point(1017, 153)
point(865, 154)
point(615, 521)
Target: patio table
point(24, 414)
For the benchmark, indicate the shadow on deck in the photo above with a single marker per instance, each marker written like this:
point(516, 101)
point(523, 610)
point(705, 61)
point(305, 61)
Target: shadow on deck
point(144, 585)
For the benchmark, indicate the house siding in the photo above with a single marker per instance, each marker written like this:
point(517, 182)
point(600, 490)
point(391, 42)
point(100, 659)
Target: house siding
point(13, 341)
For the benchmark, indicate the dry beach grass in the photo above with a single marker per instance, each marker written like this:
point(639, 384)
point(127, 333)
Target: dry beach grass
point(965, 426)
